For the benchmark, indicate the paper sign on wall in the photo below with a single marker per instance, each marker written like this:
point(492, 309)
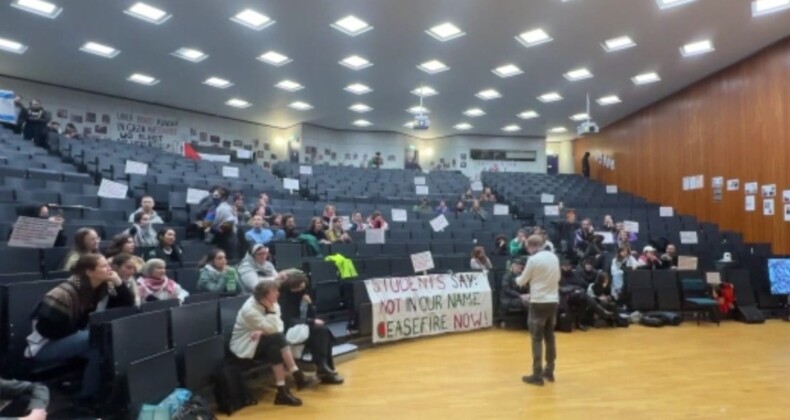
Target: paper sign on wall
point(713, 278)
point(551, 210)
point(733, 185)
point(750, 203)
point(689, 238)
point(631, 226)
point(422, 262)
point(422, 190)
point(768, 207)
point(666, 211)
point(687, 263)
point(750, 188)
point(419, 180)
point(717, 181)
point(195, 196)
point(477, 186)
point(243, 154)
point(136, 168)
point(34, 232)
point(608, 237)
point(439, 223)
point(230, 171)
point(611, 189)
point(291, 184)
point(374, 236)
point(769, 191)
point(546, 198)
point(786, 196)
point(399, 215)
point(501, 209)
point(686, 183)
point(305, 170)
point(112, 189)
point(787, 212)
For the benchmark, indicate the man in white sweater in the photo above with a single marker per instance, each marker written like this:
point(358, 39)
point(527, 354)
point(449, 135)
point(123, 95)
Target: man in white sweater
point(542, 273)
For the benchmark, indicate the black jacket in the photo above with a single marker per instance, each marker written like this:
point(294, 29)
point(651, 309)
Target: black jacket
point(175, 257)
point(35, 123)
point(510, 292)
point(290, 308)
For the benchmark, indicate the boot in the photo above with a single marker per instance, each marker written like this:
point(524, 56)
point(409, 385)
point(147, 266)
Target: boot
point(284, 397)
point(302, 381)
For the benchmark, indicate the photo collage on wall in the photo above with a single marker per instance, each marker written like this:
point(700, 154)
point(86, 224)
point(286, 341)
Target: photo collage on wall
point(87, 124)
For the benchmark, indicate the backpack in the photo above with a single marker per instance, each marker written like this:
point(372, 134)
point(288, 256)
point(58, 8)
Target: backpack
point(196, 408)
point(231, 393)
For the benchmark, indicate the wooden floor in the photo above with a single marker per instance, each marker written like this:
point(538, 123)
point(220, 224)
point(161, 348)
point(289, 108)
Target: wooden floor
point(734, 371)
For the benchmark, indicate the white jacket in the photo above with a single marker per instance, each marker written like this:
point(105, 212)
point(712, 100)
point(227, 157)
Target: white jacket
point(253, 317)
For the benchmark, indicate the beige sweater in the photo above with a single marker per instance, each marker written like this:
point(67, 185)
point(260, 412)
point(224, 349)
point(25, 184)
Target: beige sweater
point(253, 317)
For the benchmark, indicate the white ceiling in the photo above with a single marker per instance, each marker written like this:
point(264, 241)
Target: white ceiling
point(396, 45)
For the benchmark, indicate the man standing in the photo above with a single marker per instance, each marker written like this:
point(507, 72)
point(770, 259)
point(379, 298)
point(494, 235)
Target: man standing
point(542, 273)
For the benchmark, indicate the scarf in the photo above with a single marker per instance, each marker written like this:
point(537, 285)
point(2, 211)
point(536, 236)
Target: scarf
point(152, 285)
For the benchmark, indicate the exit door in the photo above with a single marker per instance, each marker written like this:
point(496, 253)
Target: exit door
point(552, 164)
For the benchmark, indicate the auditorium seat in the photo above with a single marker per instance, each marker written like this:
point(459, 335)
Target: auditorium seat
point(202, 361)
point(20, 260)
point(639, 290)
point(149, 380)
point(192, 323)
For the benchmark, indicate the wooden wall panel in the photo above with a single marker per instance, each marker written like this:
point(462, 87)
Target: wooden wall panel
point(735, 124)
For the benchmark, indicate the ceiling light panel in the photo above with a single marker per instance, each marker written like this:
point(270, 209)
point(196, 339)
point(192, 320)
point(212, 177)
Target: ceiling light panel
point(558, 130)
point(351, 25)
point(299, 105)
point(252, 19)
point(508, 70)
point(217, 82)
point(148, 13)
point(38, 7)
point(550, 97)
point(580, 116)
point(666, 4)
point(696, 48)
point(445, 32)
point(617, 44)
point(355, 62)
point(362, 123)
point(12, 46)
point(608, 100)
point(274, 58)
point(409, 124)
point(533, 37)
point(143, 79)
point(528, 115)
point(190, 54)
point(578, 74)
point(488, 94)
point(474, 112)
point(764, 7)
point(358, 89)
point(645, 78)
point(289, 85)
point(511, 128)
point(361, 108)
point(424, 91)
point(463, 126)
point(238, 103)
point(433, 67)
point(418, 110)
point(101, 50)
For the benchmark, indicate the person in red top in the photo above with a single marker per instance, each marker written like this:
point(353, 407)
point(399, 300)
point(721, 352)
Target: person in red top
point(376, 221)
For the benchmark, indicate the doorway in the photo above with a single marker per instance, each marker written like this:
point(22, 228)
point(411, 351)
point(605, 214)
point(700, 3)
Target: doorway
point(552, 164)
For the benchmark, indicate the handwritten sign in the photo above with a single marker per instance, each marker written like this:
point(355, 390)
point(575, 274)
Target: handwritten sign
point(439, 223)
point(551, 210)
point(611, 189)
point(147, 129)
point(136, 168)
point(230, 171)
point(112, 189)
point(374, 236)
point(422, 189)
point(7, 107)
point(195, 196)
point(689, 238)
point(608, 237)
point(687, 262)
point(291, 184)
point(422, 261)
point(666, 211)
point(546, 198)
point(477, 186)
point(713, 278)
point(501, 209)
point(399, 215)
point(419, 180)
point(631, 226)
point(33, 232)
point(418, 306)
point(305, 170)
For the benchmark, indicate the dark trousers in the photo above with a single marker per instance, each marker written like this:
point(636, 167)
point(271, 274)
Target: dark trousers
point(581, 304)
point(227, 243)
point(19, 407)
point(270, 348)
point(320, 345)
point(542, 320)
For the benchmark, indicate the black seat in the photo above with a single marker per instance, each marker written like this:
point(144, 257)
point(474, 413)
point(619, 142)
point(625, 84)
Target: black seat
point(201, 361)
point(228, 311)
point(639, 290)
point(377, 267)
point(368, 250)
point(202, 297)
point(322, 272)
point(188, 279)
point(20, 260)
point(395, 249)
point(288, 254)
point(345, 249)
point(150, 380)
point(665, 283)
point(190, 324)
point(159, 305)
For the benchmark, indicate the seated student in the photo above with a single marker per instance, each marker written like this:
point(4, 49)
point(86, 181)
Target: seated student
point(518, 245)
point(478, 211)
point(289, 227)
point(262, 207)
point(595, 253)
point(23, 400)
point(608, 224)
point(240, 209)
point(60, 320)
point(147, 207)
point(487, 196)
point(125, 266)
point(276, 225)
point(501, 245)
point(623, 262)
point(670, 258)
point(601, 291)
point(71, 132)
point(220, 222)
point(143, 231)
point(43, 212)
point(649, 260)
point(217, 275)
point(328, 215)
point(441, 208)
point(259, 234)
point(624, 238)
point(86, 241)
point(460, 207)
point(479, 260)
point(155, 285)
point(123, 243)
point(513, 298)
point(357, 224)
point(167, 249)
point(423, 207)
point(376, 221)
point(588, 272)
point(468, 195)
point(255, 267)
point(573, 291)
point(258, 334)
point(297, 309)
point(582, 239)
point(316, 229)
point(336, 233)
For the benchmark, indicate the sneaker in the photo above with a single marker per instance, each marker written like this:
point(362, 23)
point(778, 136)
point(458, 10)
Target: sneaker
point(533, 380)
point(548, 376)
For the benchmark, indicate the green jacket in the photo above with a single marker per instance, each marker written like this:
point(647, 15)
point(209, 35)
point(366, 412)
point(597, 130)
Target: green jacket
point(212, 280)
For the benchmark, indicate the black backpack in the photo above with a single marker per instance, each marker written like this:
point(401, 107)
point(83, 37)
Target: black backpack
point(231, 393)
point(197, 408)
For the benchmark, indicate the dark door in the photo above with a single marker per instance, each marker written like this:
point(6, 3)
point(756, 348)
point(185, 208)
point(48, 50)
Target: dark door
point(552, 164)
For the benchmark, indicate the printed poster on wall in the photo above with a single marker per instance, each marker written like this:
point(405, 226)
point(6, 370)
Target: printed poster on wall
point(768, 207)
point(786, 196)
point(787, 212)
point(418, 306)
point(750, 188)
point(750, 203)
point(717, 181)
point(733, 185)
point(769, 191)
